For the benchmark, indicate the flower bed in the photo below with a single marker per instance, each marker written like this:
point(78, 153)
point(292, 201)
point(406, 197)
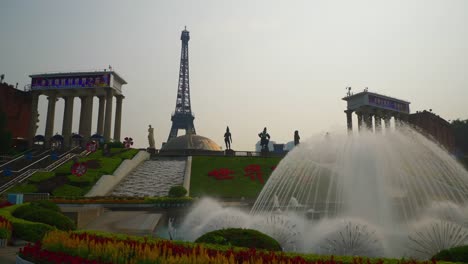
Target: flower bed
point(6, 229)
point(69, 247)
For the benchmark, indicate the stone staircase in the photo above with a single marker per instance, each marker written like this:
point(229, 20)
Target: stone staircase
point(152, 178)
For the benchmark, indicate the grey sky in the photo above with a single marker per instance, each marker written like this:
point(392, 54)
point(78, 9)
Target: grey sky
point(279, 64)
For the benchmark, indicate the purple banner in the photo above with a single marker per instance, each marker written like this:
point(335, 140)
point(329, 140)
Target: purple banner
point(388, 103)
point(71, 82)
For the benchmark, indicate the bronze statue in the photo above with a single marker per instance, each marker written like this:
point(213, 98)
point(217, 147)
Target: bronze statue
point(264, 139)
point(227, 138)
point(296, 138)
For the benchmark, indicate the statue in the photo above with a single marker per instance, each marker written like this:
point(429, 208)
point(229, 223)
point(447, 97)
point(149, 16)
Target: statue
point(151, 137)
point(264, 140)
point(296, 138)
point(227, 139)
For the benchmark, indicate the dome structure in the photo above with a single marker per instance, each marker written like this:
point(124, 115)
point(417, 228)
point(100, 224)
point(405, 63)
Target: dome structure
point(191, 142)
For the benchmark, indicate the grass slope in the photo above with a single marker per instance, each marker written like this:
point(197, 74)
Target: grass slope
point(61, 182)
point(201, 184)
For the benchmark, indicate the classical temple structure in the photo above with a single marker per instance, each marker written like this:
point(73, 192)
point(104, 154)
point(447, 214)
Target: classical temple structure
point(104, 85)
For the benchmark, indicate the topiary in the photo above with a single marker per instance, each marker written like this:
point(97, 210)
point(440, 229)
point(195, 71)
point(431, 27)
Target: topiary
point(177, 191)
point(456, 254)
point(239, 237)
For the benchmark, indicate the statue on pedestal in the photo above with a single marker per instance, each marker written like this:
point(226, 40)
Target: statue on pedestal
point(151, 137)
point(296, 138)
point(227, 139)
point(264, 140)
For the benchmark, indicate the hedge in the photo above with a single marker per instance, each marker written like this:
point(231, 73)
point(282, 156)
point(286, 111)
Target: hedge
point(43, 215)
point(23, 229)
point(239, 237)
point(47, 205)
point(456, 254)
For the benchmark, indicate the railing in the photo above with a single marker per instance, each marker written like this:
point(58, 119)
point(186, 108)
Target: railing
point(219, 153)
point(22, 177)
point(17, 179)
point(16, 157)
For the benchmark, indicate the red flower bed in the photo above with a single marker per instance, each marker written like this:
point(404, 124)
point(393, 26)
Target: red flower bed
point(104, 250)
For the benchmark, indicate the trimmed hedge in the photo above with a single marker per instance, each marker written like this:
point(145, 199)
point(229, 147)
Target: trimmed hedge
point(239, 237)
point(46, 205)
point(456, 254)
point(177, 191)
point(23, 229)
point(43, 215)
point(30, 231)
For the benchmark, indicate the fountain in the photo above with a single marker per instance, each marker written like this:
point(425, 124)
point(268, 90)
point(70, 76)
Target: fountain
point(360, 194)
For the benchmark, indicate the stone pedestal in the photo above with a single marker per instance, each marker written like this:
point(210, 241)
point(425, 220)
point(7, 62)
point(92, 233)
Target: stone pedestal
point(229, 152)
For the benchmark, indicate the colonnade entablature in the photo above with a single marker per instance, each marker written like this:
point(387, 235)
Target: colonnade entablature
point(368, 106)
point(104, 85)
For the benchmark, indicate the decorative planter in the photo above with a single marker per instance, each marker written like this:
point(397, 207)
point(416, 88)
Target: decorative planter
point(19, 260)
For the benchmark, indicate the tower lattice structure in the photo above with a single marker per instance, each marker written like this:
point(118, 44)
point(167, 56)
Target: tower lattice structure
point(182, 118)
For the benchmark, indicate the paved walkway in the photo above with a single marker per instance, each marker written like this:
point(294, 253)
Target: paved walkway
point(8, 254)
point(126, 222)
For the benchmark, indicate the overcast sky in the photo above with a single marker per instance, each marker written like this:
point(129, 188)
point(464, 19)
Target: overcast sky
point(279, 64)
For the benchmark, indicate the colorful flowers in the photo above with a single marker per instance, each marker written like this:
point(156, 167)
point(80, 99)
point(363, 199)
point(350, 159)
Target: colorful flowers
point(79, 168)
point(68, 247)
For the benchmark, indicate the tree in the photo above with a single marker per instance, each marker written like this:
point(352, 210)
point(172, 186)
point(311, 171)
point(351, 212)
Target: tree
point(460, 130)
point(5, 135)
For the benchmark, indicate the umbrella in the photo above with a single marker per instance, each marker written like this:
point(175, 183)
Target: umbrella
point(39, 138)
point(57, 137)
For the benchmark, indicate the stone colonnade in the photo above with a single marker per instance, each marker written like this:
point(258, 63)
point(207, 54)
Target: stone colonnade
point(364, 117)
point(104, 121)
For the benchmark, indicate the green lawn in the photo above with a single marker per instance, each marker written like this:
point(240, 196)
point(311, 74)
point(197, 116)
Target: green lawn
point(201, 184)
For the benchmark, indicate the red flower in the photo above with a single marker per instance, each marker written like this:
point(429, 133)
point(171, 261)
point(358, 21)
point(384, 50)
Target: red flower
point(221, 174)
point(79, 168)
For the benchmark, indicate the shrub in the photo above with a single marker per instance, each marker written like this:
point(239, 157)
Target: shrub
point(5, 233)
point(41, 176)
point(240, 238)
point(46, 205)
point(177, 191)
point(68, 190)
point(456, 254)
point(46, 216)
point(30, 231)
point(24, 229)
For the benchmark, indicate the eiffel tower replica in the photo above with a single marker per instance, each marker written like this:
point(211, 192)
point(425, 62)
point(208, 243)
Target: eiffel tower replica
point(182, 118)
